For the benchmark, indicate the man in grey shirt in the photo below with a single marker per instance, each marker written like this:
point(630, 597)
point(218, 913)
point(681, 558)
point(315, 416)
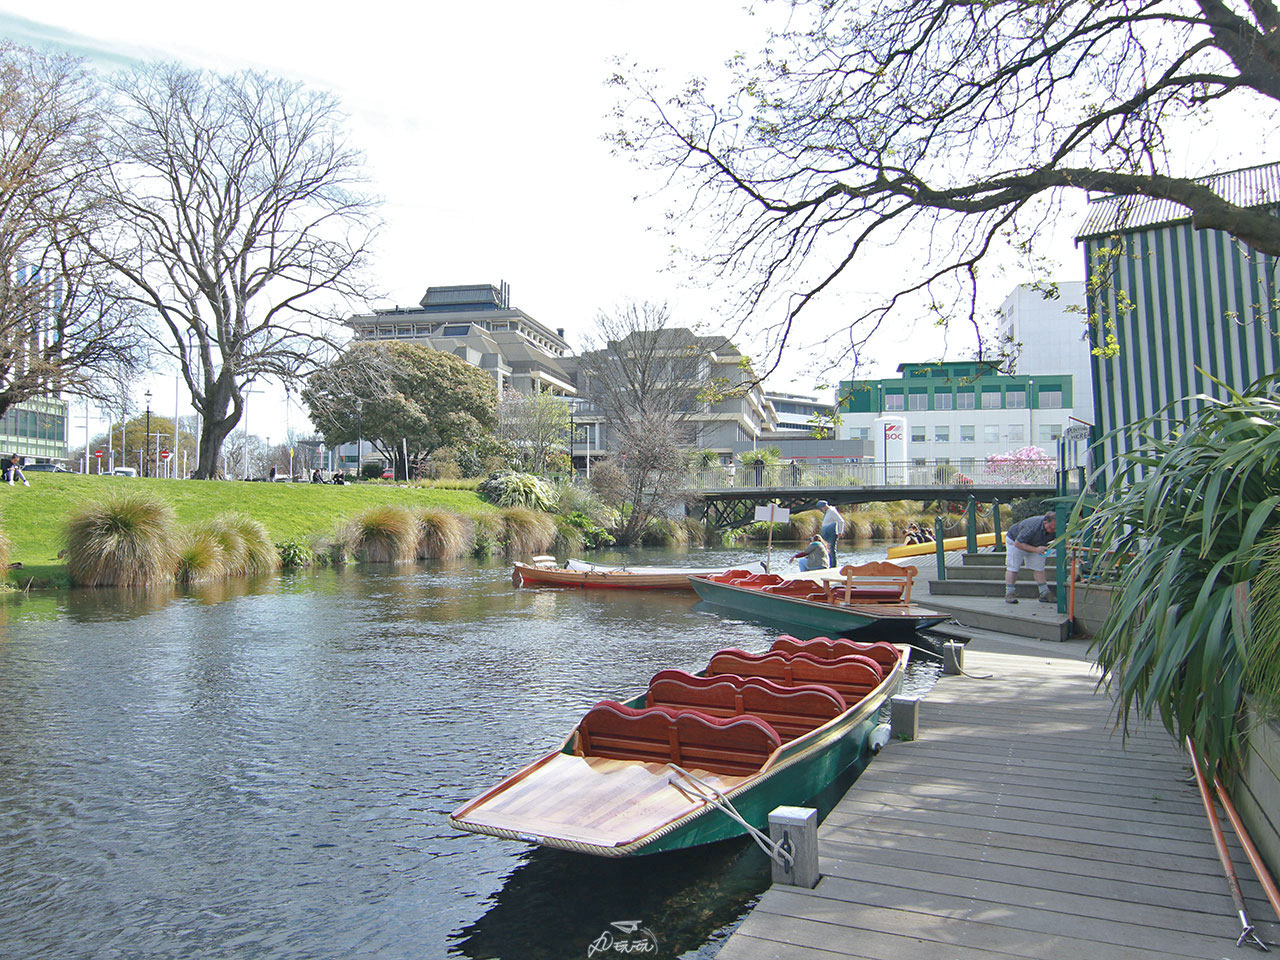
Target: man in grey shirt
point(1026, 543)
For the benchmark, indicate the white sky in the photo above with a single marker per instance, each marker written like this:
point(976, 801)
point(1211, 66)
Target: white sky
point(482, 123)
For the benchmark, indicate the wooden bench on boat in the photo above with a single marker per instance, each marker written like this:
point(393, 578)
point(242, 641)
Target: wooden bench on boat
point(735, 746)
point(853, 677)
point(791, 711)
point(875, 582)
point(824, 648)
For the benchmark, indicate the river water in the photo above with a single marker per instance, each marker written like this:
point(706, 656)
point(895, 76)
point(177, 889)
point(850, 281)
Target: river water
point(265, 769)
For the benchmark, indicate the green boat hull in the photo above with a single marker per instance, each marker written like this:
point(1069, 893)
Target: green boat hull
point(808, 619)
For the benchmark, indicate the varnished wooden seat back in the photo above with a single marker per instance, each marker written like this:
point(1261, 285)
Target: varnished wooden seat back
point(791, 711)
point(853, 677)
point(882, 652)
point(875, 582)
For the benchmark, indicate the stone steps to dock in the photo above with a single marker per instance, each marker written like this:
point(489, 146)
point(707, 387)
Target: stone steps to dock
point(1020, 824)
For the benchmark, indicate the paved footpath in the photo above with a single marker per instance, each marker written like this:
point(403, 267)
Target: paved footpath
point(1018, 825)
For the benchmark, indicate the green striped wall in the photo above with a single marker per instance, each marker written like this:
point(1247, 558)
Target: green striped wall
point(1202, 305)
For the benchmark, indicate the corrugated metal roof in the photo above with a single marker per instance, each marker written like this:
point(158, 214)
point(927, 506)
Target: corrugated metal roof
point(1252, 187)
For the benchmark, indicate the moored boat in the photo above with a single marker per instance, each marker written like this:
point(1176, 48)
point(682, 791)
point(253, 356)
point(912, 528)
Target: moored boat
point(695, 756)
point(871, 607)
point(577, 573)
point(927, 549)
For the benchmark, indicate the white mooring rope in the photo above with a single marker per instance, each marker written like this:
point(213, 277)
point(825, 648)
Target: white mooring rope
point(722, 803)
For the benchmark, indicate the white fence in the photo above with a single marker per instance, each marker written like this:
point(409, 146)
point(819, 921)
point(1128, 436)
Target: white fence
point(866, 473)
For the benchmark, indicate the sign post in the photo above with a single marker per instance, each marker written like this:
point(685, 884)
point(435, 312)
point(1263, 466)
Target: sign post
point(98, 456)
point(771, 514)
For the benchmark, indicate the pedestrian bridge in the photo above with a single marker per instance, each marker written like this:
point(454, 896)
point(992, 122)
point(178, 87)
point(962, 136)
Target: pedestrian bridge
point(728, 496)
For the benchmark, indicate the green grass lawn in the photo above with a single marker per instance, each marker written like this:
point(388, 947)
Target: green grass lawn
point(34, 518)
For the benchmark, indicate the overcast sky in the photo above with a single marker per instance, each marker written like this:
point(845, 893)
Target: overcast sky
point(482, 123)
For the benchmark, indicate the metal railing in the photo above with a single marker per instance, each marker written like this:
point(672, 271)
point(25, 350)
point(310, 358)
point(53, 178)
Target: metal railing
point(866, 473)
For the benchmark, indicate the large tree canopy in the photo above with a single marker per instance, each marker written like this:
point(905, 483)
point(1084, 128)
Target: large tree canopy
point(243, 227)
point(865, 121)
point(392, 393)
point(64, 325)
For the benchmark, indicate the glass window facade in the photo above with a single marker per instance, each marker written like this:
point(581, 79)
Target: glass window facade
point(1017, 433)
point(991, 433)
point(943, 401)
point(990, 399)
point(1050, 399)
point(893, 401)
point(942, 434)
point(918, 400)
point(964, 400)
point(966, 433)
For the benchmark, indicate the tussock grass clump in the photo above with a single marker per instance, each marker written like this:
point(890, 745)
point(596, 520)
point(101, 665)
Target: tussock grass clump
point(229, 538)
point(441, 535)
point(527, 532)
point(259, 554)
point(201, 558)
point(385, 534)
point(806, 523)
point(127, 540)
point(569, 539)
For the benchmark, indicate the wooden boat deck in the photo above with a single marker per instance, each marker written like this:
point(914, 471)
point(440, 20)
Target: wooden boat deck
point(1019, 825)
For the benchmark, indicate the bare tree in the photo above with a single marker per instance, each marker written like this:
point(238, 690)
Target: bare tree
point(244, 227)
point(536, 425)
point(64, 325)
point(649, 380)
point(939, 126)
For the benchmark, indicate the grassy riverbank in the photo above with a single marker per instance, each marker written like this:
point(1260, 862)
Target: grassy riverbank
point(34, 518)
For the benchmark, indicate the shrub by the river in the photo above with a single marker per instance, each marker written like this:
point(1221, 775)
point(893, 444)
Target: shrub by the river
point(385, 534)
point(123, 541)
point(527, 532)
point(295, 555)
point(441, 535)
point(201, 558)
point(487, 533)
point(518, 490)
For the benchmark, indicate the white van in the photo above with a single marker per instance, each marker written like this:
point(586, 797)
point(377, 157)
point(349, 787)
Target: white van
point(124, 471)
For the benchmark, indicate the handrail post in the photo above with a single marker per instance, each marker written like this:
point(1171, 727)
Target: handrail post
point(995, 516)
point(939, 532)
point(1061, 556)
point(971, 525)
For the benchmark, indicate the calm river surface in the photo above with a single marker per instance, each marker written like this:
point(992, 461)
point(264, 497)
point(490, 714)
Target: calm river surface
point(265, 769)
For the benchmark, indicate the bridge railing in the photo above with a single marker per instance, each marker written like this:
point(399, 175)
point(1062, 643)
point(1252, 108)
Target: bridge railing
point(865, 473)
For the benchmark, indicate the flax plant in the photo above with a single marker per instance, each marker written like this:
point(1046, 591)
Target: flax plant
point(1178, 530)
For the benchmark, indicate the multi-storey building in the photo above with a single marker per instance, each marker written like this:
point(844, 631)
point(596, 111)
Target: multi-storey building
point(796, 412)
point(1048, 335)
point(35, 428)
point(1176, 311)
point(960, 412)
point(477, 323)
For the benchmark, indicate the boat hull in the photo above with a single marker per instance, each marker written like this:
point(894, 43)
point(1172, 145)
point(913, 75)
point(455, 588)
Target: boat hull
point(896, 623)
point(930, 548)
point(611, 580)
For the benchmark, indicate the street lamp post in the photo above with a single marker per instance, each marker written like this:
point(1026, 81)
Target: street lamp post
point(359, 437)
point(146, 459)
point(1031, 413)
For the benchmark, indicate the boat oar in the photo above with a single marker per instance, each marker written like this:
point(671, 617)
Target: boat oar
point(1220, 842)
point(1255, 859)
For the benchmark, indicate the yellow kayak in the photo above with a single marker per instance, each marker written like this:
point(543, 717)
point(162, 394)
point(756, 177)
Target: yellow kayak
point(951, 543)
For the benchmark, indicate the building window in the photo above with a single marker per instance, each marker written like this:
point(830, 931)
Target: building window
point(943, 401)
point(964, 400)
point(991, 433)
point(1050, 399)
point(917, 434)
point(942, 434)
point(918, 401)
point(944, 459)
point(861, 433)
point(893, 401)
point(456, 330)
point(1050, 432)
point(990, 399)
point(966, 433)
point(1016, 399)
point(919, 462)
point(1015, 433)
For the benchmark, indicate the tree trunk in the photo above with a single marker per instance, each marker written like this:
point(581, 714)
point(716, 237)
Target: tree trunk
point(216, 425)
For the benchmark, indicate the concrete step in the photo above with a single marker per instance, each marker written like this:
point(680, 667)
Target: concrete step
point(1037, 620)
point(983, 559)
point(981, 588)
point(988, 574)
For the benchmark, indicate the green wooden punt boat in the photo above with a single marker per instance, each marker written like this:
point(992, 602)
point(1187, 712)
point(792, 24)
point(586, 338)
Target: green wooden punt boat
point(814, 616)
point(627, 803)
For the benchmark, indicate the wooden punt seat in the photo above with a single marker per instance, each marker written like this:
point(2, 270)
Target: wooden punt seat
point(791, 710)
point(798, 589)
point(733, 746)
point(852, 677)
point(875, 582)
point(824, 648)
point(732, 576)
point(759, 580)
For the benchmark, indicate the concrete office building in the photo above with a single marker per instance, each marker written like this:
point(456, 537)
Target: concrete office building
point(1048, 335)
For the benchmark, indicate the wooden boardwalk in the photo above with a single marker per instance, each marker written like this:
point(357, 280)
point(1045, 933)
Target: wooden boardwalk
point(1018, 825)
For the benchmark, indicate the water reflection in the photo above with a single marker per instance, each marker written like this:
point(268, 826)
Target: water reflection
point(265, 768)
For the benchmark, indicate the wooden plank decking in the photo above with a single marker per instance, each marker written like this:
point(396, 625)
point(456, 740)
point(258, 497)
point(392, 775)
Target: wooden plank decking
point(1019, 825)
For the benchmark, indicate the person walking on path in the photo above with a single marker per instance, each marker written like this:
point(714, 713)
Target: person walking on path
point(15, 471)
point(832, 527)
point(813, 556)
point(1025, 545)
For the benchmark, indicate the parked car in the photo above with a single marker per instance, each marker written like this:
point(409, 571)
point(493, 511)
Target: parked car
point(45, 468)
point(124, 471)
